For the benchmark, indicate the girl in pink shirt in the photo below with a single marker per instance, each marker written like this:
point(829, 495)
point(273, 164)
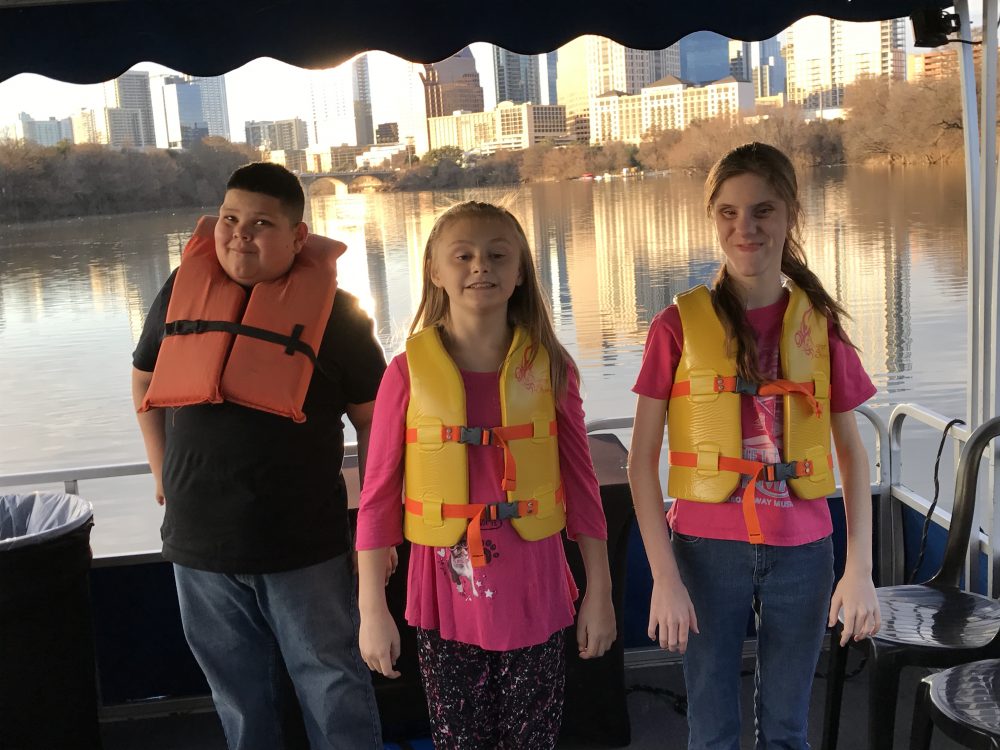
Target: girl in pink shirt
point(489, 606)
point(757, 547)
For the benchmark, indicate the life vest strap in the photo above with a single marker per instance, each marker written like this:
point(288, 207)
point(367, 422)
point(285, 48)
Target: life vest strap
point(292, 342)
point(498, 436)
point(736, 384)
point(476, 512)
point(756, 470)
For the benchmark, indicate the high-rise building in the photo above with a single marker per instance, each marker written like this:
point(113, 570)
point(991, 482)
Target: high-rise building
point(452, 85)
point(823, 55)
point(362, 98)
point(183, 113)
point(387, 132)
point(132, 123)
point(769, 75)
point(739, 60)
point(43, 132)
point(666, 62)
point(84, 126)
point(517, 77)
point(615, 67)
point(551, 96)
point(214, 105)
point(704, 57)
point(334, 121)
point(277, 135)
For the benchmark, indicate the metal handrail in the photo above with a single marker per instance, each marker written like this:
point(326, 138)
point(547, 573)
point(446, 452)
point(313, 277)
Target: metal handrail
point(71, 477)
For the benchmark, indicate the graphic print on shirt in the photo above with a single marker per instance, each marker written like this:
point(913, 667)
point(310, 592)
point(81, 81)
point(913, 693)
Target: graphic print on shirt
point(762, 442)
point(457, 565)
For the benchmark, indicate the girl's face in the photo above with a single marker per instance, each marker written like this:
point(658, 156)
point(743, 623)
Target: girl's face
point(477, 263)
point(752, 224)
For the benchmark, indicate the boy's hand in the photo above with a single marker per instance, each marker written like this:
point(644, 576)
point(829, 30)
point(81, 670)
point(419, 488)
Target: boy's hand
point(595, 629)
point(378, 640)
point(160, 499)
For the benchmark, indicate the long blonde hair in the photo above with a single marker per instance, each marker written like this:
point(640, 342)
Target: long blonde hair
point(772, 166)
point(527, 306)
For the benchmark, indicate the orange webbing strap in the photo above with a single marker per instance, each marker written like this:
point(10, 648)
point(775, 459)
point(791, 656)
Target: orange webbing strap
point(492, 436)
point(475, 511)
point(755, 470)
point(782, 387)
point(720, 384)
point(729, 384)
point(501, 435)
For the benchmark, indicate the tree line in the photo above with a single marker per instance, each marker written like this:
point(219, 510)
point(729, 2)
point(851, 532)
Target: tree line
point(889, 122)
point(50, 182)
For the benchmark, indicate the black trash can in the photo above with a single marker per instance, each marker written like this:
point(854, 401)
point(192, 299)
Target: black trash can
point(48, 686)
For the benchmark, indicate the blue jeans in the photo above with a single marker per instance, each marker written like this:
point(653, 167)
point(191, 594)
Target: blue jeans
point(241, 627)
point(788, 589)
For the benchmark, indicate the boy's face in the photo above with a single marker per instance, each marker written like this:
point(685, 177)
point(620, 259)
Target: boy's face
point(255, 240)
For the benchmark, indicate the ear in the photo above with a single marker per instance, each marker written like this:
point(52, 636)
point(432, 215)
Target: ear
point(434, 276)
point(301, 231)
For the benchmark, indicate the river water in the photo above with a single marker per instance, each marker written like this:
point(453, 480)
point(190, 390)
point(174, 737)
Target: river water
point(889, 244)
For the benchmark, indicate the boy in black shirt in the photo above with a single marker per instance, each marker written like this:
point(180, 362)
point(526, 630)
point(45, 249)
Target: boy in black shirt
point(248, 361)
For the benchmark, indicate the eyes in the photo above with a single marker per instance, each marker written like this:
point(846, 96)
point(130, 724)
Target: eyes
point(762, 211)
point(260, 222)
point(494, 255)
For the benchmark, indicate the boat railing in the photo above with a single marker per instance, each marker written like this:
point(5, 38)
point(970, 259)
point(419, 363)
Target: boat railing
point(887, 486)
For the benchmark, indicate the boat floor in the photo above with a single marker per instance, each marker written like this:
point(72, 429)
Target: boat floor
point(655, 722)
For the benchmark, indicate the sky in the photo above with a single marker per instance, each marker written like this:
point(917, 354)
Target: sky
point(263, 89)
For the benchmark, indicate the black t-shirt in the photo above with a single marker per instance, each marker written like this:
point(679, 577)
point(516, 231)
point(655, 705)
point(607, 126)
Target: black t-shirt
point(252, 492)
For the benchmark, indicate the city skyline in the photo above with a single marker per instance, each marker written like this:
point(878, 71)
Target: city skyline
point(265, 89)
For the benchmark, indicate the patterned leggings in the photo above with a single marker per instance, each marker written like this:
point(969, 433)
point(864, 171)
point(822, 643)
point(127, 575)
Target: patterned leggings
point(492, 700)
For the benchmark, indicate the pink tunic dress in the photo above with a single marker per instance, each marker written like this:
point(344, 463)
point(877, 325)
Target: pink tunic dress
point(525, 592)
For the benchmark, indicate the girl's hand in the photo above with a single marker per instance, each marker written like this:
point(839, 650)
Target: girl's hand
point(391, 563)
point(595, 627)
point(855, 596)
point(671, 615)
point(378, 640)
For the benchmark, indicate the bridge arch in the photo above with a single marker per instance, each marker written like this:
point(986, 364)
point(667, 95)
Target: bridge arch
point(323, 186)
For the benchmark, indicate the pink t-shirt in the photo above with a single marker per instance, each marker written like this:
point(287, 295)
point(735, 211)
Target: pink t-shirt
point(525, 592)
point(784, 519)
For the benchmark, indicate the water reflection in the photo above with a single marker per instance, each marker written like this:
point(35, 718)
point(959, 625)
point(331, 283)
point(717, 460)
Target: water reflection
point(889, 244)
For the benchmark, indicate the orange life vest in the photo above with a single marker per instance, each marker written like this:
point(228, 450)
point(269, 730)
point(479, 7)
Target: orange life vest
point(259, 352)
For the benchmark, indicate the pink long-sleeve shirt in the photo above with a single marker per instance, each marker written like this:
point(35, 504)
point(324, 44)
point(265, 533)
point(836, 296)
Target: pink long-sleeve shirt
point(525, 592)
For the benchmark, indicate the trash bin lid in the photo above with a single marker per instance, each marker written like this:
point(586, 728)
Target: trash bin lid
point(38, 516)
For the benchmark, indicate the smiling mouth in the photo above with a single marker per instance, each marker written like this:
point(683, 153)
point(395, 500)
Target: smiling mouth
point(481, 285)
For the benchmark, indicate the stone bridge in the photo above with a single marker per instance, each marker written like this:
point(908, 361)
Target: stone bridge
point(317, 184)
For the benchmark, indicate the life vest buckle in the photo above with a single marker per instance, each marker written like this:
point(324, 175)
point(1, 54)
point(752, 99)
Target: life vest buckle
point(781, 472)
point(474, 435)
point(746, 387)
point(508, 510)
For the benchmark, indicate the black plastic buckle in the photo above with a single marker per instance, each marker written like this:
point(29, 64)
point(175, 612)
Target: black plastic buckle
point(505, 511)
point(746, 387)
point(473, 435)
point(185, 327)
point(781, 472)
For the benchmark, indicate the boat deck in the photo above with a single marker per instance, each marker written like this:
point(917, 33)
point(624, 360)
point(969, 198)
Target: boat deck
point(655, 721)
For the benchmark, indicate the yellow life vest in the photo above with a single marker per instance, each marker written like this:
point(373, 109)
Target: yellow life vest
point(260, 352)
point(438, 507)
point(703, 418)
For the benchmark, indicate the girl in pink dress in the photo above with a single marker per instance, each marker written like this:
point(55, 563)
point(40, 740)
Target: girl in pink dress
point(489, 605)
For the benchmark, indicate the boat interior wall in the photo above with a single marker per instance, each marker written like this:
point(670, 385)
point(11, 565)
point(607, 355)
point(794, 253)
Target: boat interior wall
point(89, 42)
